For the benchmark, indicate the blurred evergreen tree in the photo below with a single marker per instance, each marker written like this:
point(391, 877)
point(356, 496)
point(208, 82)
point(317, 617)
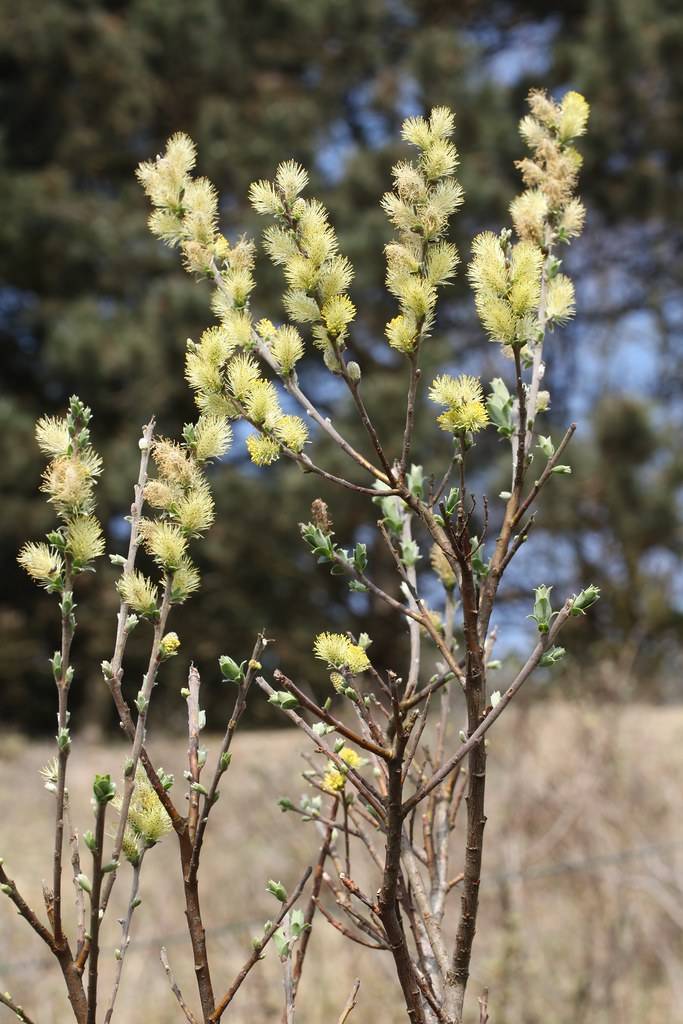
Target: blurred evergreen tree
point(90, 303)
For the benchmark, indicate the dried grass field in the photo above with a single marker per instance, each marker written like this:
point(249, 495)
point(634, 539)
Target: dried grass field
point(582, 897)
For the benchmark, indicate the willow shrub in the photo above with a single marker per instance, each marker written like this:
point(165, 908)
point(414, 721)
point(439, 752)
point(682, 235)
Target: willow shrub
point(377, 793)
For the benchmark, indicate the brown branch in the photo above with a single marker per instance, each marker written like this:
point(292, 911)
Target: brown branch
point(312, 900)
point(10, 890)
point(427, 691)
point(346, 932)
point(291, 384)
point(93, 977)
point(415, 374)
point(354, 388)
point(221, 765)
point(388, 893)
point(76, 870)
point(255, 956)
point(195, 927)
point(545, 475)
point(343, 730)
point(477, 736)
point(475, 699)
point(310, 467)
point(366, 789)
point(421, 616)
point(72, 978)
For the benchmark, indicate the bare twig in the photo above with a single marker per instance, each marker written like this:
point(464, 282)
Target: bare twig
point(10, 890)
point(484, 1007)
point(76, 869)
point(343, 930)
point(189, 1016)
point(545, 475)
point(291, 383)
point(125, 935)
point(350, 1003)
point(313, 898)
point(18, 1011)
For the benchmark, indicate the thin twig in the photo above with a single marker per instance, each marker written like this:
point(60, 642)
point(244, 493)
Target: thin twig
point(97, 854)
point(125, 934)
point(255, 956)
point(545, 475)
point(315, 892)
point(63, 683)
point(366, 789)
point(477, 736)
point(222, 761)
point(193, 687)
point(484, 1007)
point(350, 1004)
point(291, 383)
point(329, 719)
point(18, 1011)
point(189, 1016)
point(139, 734)
point(76, 869)
point(346, 932)
point(10, 890)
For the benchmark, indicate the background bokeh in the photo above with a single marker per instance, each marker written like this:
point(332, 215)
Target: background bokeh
point(91, 303)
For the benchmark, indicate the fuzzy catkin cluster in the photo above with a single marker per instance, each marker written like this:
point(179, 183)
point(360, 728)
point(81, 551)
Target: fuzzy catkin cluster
point(507, 279)
point(147, 822)
point(303, 242)
point(181, 497)
point(339, 652)
point(463, 398)
point(185, 209)
point(517, 285)
point(550, 173)
point(425, 196)
point(69, 481)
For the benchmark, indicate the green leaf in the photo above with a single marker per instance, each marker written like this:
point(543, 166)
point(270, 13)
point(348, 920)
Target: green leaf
point(277, 890)
point(103, 789)
point(230, 670)
point(585, 599)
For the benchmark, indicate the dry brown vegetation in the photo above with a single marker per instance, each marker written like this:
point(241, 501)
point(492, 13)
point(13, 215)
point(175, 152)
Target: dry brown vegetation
point(582, 915)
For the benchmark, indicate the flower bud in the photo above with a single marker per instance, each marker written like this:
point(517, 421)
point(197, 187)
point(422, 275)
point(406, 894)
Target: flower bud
point(169, 646)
